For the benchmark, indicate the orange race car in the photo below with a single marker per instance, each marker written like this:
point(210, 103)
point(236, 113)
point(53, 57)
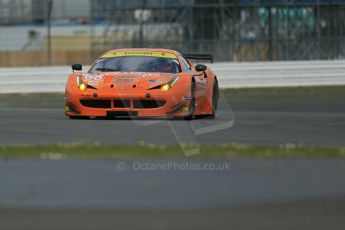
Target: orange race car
point(143, 83)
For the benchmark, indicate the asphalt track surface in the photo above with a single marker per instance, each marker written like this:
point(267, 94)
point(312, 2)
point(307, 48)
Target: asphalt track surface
point(256, 119)
point(252, 194)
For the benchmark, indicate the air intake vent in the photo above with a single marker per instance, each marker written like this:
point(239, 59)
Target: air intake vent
point(148, 104)
point(96, 103)
point(122, 103)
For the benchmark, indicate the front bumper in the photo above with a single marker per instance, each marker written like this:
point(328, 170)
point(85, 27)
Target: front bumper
point(148, 104)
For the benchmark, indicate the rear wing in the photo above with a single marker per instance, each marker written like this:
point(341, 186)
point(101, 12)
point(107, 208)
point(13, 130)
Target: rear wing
point(207, 57)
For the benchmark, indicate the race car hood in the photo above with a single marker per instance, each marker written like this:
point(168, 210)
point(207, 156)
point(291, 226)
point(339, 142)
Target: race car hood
point(123, 80)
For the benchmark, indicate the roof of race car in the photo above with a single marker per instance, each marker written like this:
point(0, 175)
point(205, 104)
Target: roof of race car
point(153, 52)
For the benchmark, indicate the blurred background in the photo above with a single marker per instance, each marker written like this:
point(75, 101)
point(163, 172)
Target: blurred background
point(48, 32)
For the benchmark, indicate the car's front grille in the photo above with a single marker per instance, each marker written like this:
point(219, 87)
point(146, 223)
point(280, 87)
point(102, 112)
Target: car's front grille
point(122, 103)
point(137, 104)
point(148, 104)
point(96, 103)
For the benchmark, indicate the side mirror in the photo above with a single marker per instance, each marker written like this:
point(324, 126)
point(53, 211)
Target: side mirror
point(200, 67)
point(77, 67)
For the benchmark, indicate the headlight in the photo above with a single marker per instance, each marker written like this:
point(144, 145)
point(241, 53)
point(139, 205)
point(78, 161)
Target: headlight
point(169, 85)
point(79, 81)
point(81, 85)
point(165, 87)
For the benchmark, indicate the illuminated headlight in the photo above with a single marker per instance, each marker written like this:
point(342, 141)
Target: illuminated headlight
point(169, 85)
point(81, 85)
point(165, 87)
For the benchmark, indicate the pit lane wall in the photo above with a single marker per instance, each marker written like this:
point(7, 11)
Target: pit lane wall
point(230, 75)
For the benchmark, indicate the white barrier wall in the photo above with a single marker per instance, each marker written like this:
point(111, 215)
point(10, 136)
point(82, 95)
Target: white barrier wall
point(230, 75)
point(280, 74)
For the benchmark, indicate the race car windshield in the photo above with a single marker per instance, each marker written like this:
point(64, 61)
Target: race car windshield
point(136, 64)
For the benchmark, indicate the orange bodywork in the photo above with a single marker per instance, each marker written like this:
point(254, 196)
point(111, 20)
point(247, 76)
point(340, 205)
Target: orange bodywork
point(141, 94)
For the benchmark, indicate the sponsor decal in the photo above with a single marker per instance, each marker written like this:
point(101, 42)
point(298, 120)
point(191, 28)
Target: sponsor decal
point(124, 80)
point(159, 81)
point(89, 77)
point(136, 74)
point(94, 80)
point(139, 53)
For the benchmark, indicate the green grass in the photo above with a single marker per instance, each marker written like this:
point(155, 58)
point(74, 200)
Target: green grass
point(80, 150)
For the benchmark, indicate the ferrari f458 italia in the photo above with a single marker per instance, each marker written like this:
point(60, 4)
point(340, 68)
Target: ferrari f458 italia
point(143, 83)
